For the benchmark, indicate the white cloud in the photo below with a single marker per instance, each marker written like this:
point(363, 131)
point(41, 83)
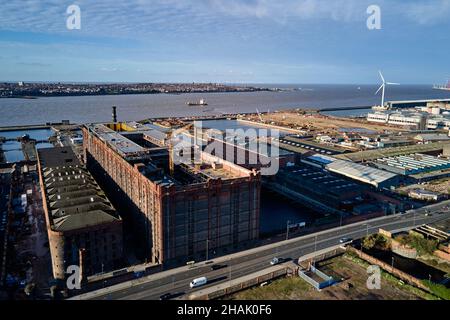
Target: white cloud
point(141, 18)
point(431, 12)
point(281, 11)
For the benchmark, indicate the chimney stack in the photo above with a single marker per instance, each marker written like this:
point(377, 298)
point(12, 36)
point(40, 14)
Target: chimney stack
point(114, 114)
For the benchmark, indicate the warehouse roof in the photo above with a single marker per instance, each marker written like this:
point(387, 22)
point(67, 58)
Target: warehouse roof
point(415, 163)
point(74, 199)
point(124, 146)
point(360, 172)
point(55, 157)
point(432, 137)
point(390, 152)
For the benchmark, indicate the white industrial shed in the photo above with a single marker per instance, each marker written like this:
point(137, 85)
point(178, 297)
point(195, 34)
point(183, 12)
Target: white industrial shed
point(376, 177)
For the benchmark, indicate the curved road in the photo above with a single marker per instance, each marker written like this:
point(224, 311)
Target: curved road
point(176, 281)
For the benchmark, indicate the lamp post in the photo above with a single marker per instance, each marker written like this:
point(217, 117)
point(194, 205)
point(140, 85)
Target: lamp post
point(229, 269)
point(315, 249)
point(207, 245)
point(392, 265)
point(287, 229)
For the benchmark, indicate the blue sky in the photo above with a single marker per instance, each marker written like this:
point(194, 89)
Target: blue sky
point(237, 41)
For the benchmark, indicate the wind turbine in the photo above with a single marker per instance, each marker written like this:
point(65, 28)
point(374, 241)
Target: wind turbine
point(383, 87)
point(259, 115)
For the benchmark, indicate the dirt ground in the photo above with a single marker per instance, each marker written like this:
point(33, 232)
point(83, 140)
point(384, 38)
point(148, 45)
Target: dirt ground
point(32, 250)
point(321, 123)
point(352, 287)
point(440, 186)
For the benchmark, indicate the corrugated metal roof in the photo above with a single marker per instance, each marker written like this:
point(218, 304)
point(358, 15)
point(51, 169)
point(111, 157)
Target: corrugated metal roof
point(360, 172)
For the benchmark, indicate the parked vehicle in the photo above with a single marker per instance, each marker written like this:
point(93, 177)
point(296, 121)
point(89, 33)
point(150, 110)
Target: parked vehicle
point(165, 296)
point(218, 267)
point(275, 261)
point(198, 282)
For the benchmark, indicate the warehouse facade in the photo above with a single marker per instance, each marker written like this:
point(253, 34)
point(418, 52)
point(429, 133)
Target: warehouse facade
point(181, 215)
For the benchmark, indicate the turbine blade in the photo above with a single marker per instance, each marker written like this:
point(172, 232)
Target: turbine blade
point(393, 83)
point(381, 75)
point(379, 89)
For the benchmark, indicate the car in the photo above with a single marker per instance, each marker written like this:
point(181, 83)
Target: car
point(345, 240)
point(275, 261)
point(428, 215)
point(217, 267)
point(165, 296)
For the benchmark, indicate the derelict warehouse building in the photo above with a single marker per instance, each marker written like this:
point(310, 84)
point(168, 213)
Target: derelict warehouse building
point(177, 216)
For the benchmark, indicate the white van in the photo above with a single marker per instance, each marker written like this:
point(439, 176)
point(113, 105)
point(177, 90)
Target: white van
point(198, 282)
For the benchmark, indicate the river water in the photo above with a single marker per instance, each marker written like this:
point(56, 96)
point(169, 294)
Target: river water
point(82, 109)
point(13, 149)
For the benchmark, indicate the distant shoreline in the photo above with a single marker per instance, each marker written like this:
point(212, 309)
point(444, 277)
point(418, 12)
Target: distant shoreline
point(21, 97)
point(36, 96)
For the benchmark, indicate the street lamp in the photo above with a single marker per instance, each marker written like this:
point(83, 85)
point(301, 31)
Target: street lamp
point(229, 269)
point(287, 229)
point(315, 249)
point(207, 244)
point(392, 265)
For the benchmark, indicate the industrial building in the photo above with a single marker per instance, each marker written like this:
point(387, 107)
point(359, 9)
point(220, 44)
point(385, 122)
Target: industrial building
point(380, 179)
point(304, 146)
point(414, 120)
point(435, 148)
point(316, 187)
point(416, 103)
point(83, 227)
point(248, 149)
point(365, 174)
point(412, 164)
point(431, 137)
point(178, 212)
point(422, 115)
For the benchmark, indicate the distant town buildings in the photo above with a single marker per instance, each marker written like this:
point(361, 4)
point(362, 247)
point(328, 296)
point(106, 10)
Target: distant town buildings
point(22, 89)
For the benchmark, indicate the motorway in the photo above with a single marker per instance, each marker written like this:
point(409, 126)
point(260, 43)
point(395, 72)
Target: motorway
point(176, 281)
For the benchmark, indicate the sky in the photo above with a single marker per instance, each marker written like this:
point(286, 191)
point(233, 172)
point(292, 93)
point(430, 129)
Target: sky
point(230, 41)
